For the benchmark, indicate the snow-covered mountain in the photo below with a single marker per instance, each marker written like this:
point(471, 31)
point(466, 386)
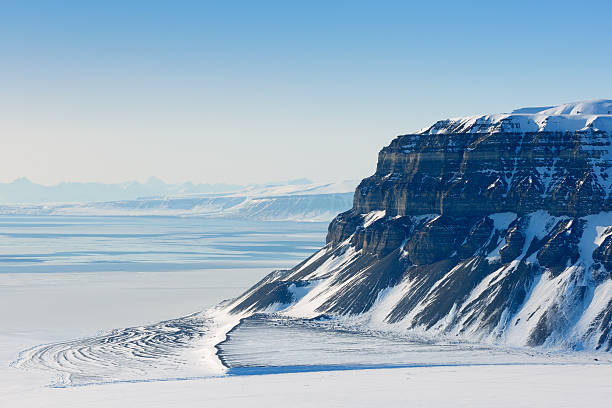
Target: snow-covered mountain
point(493, 228)
point(294, 201)
point(24, 191)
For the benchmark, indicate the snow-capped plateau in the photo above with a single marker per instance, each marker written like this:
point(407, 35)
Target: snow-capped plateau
point(594, 115)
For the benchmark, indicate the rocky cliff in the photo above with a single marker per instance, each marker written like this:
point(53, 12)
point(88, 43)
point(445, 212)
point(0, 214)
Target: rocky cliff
point(493, 228)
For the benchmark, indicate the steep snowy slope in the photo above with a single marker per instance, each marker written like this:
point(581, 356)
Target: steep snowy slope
point(496, 228)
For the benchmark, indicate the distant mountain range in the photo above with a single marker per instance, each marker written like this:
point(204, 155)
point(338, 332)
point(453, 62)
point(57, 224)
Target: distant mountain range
point(24, 191)
point(296, 200)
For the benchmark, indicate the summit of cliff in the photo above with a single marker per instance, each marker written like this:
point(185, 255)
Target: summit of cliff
point(593, 114)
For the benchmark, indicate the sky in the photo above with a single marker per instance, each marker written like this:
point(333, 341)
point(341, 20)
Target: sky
point(257, 91)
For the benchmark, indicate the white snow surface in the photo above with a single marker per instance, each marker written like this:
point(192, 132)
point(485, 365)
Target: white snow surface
point(593, 114)
point(542, 386)
point(371, 217)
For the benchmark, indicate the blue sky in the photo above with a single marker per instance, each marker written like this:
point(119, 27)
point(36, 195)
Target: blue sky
point(258, 91)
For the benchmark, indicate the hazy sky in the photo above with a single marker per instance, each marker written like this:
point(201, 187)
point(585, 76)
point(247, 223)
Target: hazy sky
point(256, 91)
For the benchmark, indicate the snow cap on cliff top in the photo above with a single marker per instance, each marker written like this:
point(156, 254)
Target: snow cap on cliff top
point(594, 114)
point(593, 107)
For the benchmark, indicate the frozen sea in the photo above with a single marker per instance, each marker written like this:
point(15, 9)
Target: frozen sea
point(65, 278)
point(68, 281)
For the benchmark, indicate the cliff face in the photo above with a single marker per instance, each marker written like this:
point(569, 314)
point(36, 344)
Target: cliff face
point(493, 227)
point(474, 174)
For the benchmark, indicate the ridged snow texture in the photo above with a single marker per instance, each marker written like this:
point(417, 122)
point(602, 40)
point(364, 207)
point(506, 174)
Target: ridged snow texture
point(157, 351)
point(474, 232)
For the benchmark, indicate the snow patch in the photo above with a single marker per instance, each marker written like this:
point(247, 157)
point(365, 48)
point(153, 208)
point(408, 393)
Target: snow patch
point(371, 217)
